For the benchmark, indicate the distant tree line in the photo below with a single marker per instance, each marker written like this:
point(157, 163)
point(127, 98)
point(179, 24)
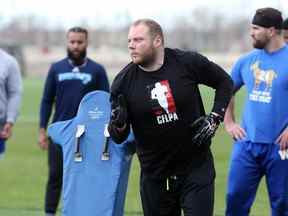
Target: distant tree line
point(200, 31)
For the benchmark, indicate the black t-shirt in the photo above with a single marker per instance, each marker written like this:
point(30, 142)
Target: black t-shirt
point(161, 106)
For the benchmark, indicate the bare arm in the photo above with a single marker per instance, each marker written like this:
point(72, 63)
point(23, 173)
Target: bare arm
point(282, 140)
point(233, 128)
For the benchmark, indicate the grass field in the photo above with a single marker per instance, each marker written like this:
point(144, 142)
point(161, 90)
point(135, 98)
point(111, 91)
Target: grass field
point(23, 170)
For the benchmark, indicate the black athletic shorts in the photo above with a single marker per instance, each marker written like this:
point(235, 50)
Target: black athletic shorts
point(170, 196)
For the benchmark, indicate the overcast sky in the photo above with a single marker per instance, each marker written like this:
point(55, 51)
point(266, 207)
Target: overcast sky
point(109, 12)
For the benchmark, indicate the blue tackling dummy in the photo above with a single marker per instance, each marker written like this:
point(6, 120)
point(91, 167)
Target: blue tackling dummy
point(96, 170)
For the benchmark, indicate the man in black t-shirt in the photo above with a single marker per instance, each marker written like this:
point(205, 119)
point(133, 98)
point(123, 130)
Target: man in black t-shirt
point(157, 95)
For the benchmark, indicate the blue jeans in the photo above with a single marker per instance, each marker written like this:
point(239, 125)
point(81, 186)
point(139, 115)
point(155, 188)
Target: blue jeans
point(2, 146)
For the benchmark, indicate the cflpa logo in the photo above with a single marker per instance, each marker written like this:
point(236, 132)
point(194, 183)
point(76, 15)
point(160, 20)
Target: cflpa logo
point(283, 154)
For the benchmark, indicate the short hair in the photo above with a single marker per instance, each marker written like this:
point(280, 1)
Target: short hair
point(78, 29)
point(285, 24)
point(154, 27)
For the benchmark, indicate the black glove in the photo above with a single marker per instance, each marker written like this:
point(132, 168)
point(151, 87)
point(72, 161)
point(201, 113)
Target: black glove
point(204, 128)
point(119, 112)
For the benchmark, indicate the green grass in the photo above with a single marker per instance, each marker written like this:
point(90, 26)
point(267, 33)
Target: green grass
point(24, 169)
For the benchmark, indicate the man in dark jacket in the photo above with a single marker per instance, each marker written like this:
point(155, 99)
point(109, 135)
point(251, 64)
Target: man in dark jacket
point(67, 82)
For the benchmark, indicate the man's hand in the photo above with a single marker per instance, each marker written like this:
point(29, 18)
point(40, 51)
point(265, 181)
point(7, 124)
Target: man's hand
point(119, 113)
point(204, 128)
point(118, 128)
point(235, 130)
point(43, 139)
point(6, 132)
point(283, 140)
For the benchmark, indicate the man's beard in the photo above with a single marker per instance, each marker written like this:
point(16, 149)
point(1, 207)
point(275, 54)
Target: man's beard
point(79, 59)
point(148, 59)
point(260, 44)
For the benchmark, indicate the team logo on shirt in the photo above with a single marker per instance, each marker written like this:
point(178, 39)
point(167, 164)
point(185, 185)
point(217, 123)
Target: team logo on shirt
point(163, 104)
point(84, 77)
point(263, 82)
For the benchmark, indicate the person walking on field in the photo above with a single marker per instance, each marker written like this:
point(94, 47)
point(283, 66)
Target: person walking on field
point(157, 94)
point(67, 83)
point(10, 97)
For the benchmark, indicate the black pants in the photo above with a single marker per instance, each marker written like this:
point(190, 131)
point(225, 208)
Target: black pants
point(55, 173)
point(169, 196)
